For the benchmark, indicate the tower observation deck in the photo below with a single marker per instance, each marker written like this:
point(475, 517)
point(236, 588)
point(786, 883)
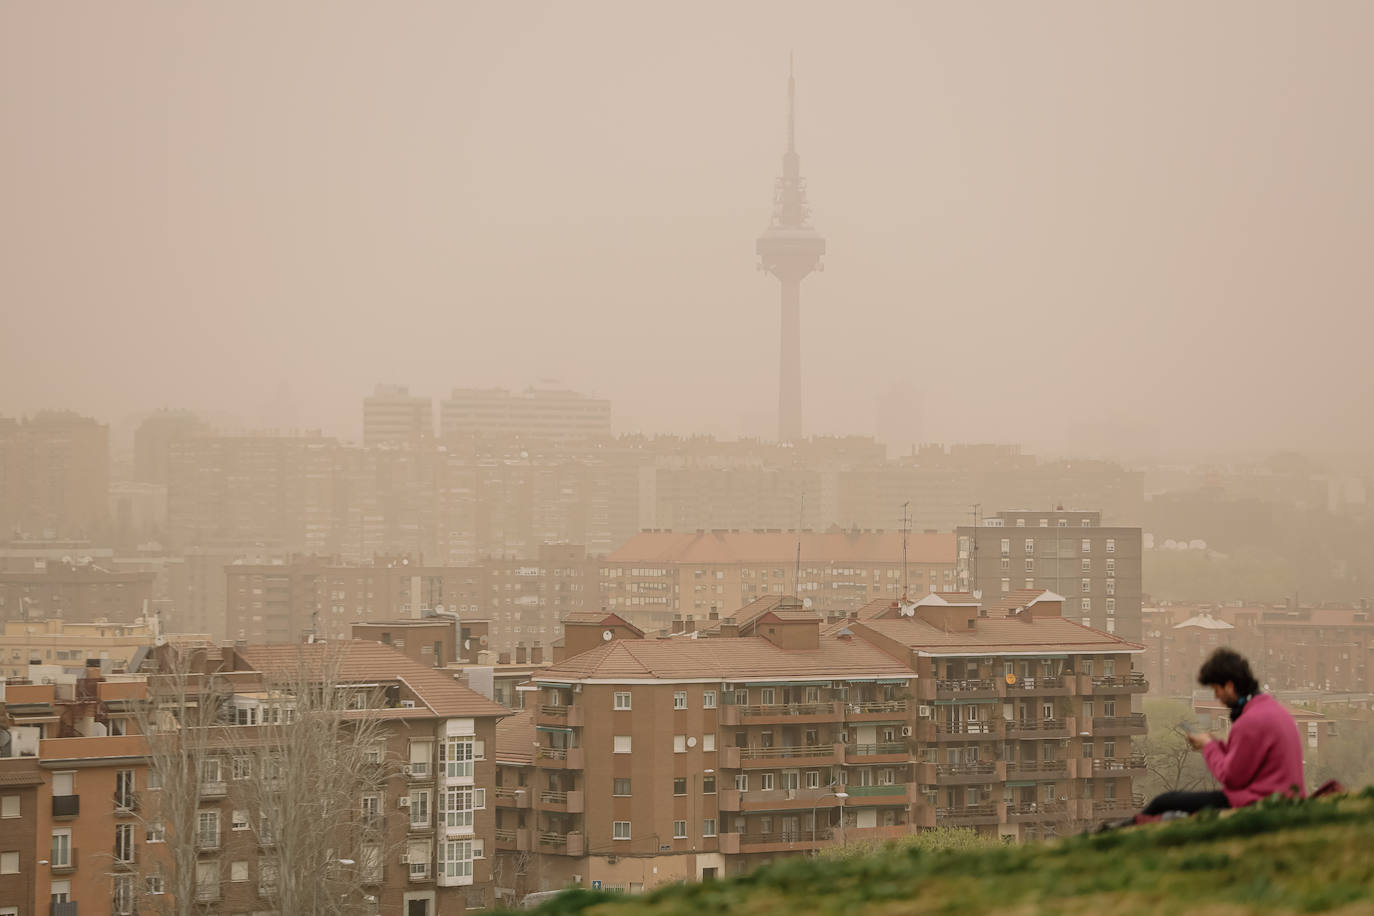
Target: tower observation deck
point(790, 249)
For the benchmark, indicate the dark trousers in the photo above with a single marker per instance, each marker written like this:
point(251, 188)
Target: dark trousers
point(1190, 802)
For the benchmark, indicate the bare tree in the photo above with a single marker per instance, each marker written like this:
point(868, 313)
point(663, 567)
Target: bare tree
point(1170, 762)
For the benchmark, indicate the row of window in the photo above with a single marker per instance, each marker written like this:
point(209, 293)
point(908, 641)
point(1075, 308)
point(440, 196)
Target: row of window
point(620, 830)
point(1085, 546)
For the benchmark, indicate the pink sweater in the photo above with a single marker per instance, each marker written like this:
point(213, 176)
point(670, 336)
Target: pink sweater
point(1263, 754)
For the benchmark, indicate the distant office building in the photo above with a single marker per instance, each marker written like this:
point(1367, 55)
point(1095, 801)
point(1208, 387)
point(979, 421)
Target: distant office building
point(76, 592)
point(534, 413)
point(1068, 552)
point(899, 418)
point(659, 574)
point(54, 475)
point(393, 416)
point(153, 442)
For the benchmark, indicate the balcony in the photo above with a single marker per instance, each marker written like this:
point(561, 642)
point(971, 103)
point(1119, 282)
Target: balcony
point(513, 839)
point(207, 892)
point(567, 716)
point(1103, 766)
point(559, 758)
point(1026, 812)
point(874, 834)
point(511, 797)
point(969, 815)
point(67, 908)
point(1117, 807)
point(419, 871)
point(207, 842)
point(63, 866)
point(964, 774)
point(797, 754)
point(784, 799)
point(967, 731)
point(1040, 769)
point(896, 792)
point(1109, 726)
point(1039, 728)
point(214, 789)
point(966, 689)
point(1121, 683)
point(1048, 686)
point(561, 844)
point(781, 713)
point(885, 711)
point(571, 802)
point(126, 805)
point(65, 806)
point(890, 752)
point(784, 841)
point(419, 772)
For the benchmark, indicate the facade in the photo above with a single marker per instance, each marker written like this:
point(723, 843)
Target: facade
point(773, 733)
point(660, 574)
point(431, 641)
point(535, 413)
point(153, 443)
point(75, 591)
point(54, 475)
point(70, 645)
point(1097, 569)
point(395, 417)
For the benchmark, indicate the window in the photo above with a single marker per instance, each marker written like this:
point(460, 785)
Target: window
point(1086, 565)
point(622, 699)
point(679, 744)
point(742, 782)
point(207, 880)
point(243, 768)
point(620, 830)
point(238, 871)
point(622, 744)
point(1109, 708)
point(1087, 545)
point(708, 741)
point(420, 752)
point(1030, 546)
point(9, 863)
point(419, 808)
point(123, 895)
point(1111, 545)
point(458, 803)
point(267, 876)
point(155, 884)
point(767, 696)
point(457, 754)
point(1109, 667)
point(63, 784)
point(1085, 585)
point(679, 699)
point(238, 820)
point(9, 806)
point(791, 779)
point(679, 830)
point(124, 843)
point(708, 699)
point(61, 848)
point(207, 830)
point(1006, 546)
point(621, 787)
point(1030, 565)
point(708, 826)
point(1087, 621)
point(155, 832)
point(455, 857)
point(680, 785)
point(154, 778)
point(1006, 585)
point(1111, 566)
point(708, 784)
point(766, 781)
point(813, 779)
point(1085, 604)
point(1111, 586)
point(1111, 605)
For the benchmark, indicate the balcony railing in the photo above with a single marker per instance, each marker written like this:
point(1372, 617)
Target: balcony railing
point(982, 768)
point(863, 709)
point(964, 685)
point(215, 789)
point(786, 709)
point(66, 805)
point(1136, 679)
point(1037, 809)
point(967, 811)
point(552, 753)
point(1132, 721)
point(786, 836)
point(1118, 764)
point(207, 891)
point(559, 712)
point(554, 798)
point(505, 836)
point(1032, 684)
point(861, 791)
point(783, 753)
point(66, 908)
point(876, 750)
point(950, 729)
point(1108, 805)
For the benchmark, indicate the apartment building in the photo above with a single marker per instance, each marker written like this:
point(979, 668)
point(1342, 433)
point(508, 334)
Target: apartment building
point(54, 475)
point(76, 591)
point(69, 645)
point(1097, 569)
point(393, 416)
point(72, 772)
point(775, 732)
point(153, 442)
point(535, 413)
point(659, 574)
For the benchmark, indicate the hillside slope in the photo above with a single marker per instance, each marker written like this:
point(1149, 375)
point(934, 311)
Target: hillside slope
point(1276, 857)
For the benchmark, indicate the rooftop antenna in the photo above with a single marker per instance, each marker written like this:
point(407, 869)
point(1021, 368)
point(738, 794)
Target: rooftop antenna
point(906, 534)
point(796, 572)
point(973, 548)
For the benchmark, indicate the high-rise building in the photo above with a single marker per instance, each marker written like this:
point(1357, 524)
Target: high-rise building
point(393, 416)
point(75, 591)
point(536, 413)
point(153, 442)
point(54, 475)
point(642, 761)
point(1069, 552)
point(790, 249)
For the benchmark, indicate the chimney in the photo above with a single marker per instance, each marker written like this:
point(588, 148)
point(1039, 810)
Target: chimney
point(714, 615)
point(537, 654)
point(503, 658)
point(690, 626)
point(729, 628)
point(677, 626)
point(520, 653)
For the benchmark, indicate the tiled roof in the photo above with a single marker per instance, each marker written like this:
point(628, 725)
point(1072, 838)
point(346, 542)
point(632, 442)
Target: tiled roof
point(362, 660)
point(515, 738)
point(780, 547)
point(740, 658)
point(600, 618)
point(997, 635)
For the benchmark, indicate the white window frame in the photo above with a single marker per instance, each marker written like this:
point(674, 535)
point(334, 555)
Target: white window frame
point(620, 830)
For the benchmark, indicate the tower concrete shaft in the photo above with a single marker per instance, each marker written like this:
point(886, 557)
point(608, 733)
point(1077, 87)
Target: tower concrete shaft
point(790, 249)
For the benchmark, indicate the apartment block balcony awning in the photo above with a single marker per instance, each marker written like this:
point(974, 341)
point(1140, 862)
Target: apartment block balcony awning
point(553, 728)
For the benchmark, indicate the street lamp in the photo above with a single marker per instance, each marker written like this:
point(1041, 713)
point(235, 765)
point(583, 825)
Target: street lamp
point(841, 796)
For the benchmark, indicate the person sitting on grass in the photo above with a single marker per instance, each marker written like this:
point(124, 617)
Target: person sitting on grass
point(1261, 757)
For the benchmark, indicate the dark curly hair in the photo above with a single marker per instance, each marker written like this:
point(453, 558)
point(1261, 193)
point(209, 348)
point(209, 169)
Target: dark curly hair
point(1225, 665)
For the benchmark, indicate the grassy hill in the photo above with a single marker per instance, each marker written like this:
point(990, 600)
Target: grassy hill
point(1274, 857)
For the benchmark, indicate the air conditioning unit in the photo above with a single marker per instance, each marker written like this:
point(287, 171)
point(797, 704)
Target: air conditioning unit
point(577, 688)
point(844, 737)
point(906, 731)
point(925, 712)
point(405, 770)
point(790, 794)
point(407, 704)
point(403, 802)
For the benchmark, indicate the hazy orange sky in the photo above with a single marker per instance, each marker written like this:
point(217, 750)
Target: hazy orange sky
point(1096, 225)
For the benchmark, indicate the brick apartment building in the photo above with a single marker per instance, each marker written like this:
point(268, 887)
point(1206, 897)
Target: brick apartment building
point(774, 732)
point(75, 591)
point(659, 574)
point(1097, 569)
point(54, 475)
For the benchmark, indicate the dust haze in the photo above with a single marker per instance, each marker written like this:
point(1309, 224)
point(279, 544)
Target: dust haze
point(1113, 229)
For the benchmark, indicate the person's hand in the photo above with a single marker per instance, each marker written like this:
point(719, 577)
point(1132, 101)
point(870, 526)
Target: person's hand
point(1199, 740)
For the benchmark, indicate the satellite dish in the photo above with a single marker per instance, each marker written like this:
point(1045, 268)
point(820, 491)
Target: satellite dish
point(806, 602)
point(691, 741)
point(906, 609)
point(607, 635)
point(483, 641)
point(467, 644)
point(438, 608)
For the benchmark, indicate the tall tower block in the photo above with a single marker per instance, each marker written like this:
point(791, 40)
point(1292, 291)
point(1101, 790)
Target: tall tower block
point(789, 249)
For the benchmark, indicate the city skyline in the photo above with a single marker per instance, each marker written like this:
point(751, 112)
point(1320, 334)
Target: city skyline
point(244, 242)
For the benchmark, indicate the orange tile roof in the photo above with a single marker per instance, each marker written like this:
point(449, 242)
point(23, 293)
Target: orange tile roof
point(600, 618)
point(742, 658)
point(780, 547)
point(515, 738)
point(997, 636)
point(363, 660)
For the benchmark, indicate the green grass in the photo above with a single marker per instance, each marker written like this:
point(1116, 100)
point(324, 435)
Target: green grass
point(1276, 857)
